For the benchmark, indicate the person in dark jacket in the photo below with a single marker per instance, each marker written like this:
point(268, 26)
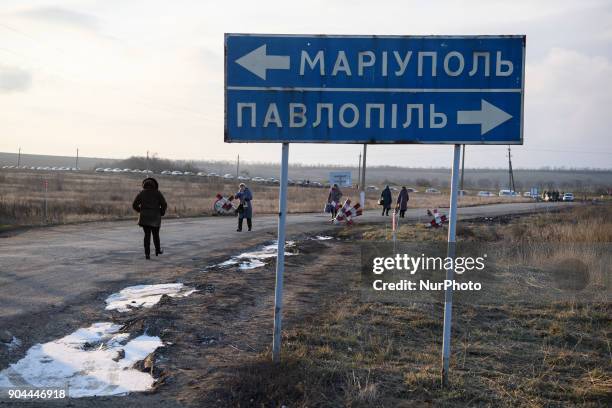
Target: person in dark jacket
point(402, 201)
point(245, 209)
point(334, 197)
point(151, 206)
point(386, 200)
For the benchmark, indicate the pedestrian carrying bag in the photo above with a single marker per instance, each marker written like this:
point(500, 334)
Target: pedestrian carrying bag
point(240, 209)
point(380, 202)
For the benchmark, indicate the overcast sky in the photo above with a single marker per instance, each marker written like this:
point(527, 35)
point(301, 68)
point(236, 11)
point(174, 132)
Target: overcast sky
point(116, 78)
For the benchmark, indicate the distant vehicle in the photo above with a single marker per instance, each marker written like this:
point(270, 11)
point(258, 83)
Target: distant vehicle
point(127, 170)
point(372, 188)
point(258, 179)
point(136, 171)
point(485, 194)
point(98, 170)
point(393, 189)
point(177, 173)
point(568, 197)
point(412, 190)
point(201, 174)
point(508, 193)
point(432, 191)
point(527, 194)
point(188, 173)
point(166, 172)
point(244, 178)
point(147, 171)
point(106, 170)
point(228, 176)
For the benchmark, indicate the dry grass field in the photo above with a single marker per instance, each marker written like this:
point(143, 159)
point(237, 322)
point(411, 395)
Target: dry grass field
point(87, 196)
point(529, 354)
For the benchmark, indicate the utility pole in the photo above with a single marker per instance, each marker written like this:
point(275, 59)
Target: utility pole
point(76, 164)
point(238, 166)
point(510, 174)
point(359, 172)
point(462, 167)
point(19, 158)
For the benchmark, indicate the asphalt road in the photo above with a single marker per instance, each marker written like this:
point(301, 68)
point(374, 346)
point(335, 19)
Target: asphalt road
point(42, 268)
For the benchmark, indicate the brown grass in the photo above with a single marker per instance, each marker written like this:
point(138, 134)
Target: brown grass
point(363, 354)
point(78, 197)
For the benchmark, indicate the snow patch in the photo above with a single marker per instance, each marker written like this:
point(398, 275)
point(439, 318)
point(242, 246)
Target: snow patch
point(323, 237)
point(145, 296)
point(92, 361)
point(255, 259)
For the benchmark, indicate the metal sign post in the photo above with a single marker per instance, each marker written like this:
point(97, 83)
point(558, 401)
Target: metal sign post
point(280, 259)
point(448, 294)
point(362, 193)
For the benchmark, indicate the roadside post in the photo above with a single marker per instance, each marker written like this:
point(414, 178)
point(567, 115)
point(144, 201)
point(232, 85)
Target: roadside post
point(450, 253)
point(453, 90)
point(362, 193)
point(46, 187)
point(280, 259)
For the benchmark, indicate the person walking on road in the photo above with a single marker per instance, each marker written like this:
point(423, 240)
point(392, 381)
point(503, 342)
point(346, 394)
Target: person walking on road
point(385, 200)
point(151, 206)
point(333, 199)
point(245, 208)
point(402, 201)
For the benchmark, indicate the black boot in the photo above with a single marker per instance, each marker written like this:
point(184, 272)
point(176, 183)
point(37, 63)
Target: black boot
point(249, 223)
point(158, 252)
point(240, 224)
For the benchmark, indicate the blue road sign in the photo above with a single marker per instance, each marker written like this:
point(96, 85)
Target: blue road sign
point(373, 89)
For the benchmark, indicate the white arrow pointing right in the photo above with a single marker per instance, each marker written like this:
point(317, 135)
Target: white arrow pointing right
point(488, 117)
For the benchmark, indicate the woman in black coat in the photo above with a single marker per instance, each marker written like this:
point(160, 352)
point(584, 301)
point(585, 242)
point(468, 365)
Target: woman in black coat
point(386, 200)
point(151, 205)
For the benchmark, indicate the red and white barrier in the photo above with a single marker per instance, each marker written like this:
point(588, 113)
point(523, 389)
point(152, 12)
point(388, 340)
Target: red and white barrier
point(347, 212)
point(223, 205)
point(437, 218)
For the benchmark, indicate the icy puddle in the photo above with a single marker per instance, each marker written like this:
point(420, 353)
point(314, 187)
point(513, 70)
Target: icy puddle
point(145, 295)
point(93, 361)
point(255, 259)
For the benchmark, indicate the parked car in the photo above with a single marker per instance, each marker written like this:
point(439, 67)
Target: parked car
point(508, 193)
point(485, 194)
point(527, 194)
point(201, 174)
point(213, 175)
point(188, 173)
point(412, 190)
point(432, 191)
point(98, 170)
point(166, 172)
point(177, 173)
point(568, 197)
point(371, 188)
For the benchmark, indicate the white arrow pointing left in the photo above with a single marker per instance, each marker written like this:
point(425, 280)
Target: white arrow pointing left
point(258, 62)
point(488, 117)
